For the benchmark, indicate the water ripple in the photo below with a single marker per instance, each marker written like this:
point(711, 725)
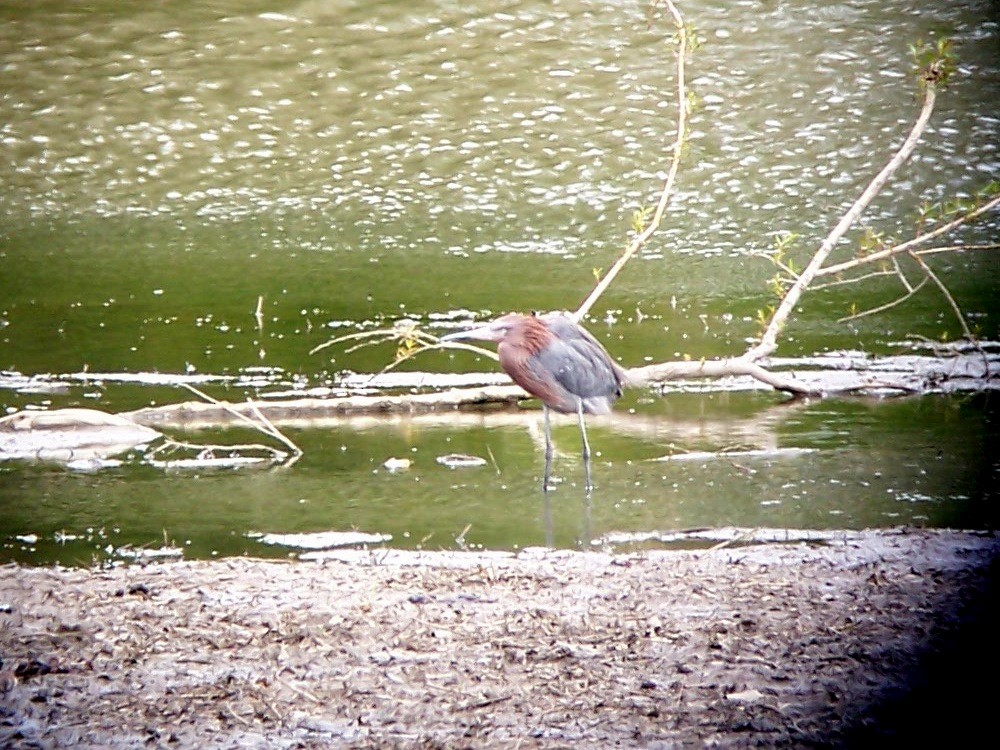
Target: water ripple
point(224, 113)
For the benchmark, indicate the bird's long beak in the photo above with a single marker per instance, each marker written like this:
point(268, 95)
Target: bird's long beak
point(486, 332)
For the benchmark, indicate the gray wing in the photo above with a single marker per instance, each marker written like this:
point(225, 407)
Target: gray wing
point(580, 364)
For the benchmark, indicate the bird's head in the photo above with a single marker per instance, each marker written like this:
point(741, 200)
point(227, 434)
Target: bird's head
point(496, 330)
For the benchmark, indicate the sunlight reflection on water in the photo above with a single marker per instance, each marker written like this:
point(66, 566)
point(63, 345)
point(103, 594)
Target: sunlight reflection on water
point(341, 167)
point(362, 110)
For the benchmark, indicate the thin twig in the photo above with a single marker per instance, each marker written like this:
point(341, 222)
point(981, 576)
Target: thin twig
point(852, 280)
point(886, 306)
point(259, 313)
point(264, 425)
point(748, 534)
point(902, 276)
point(274, 431)
point(381, 334)
point(957, 248)
point(905, 247)
point(947, 295)
point(427, 341)
point(493, 459)
point(300, 691)
point(665, 193)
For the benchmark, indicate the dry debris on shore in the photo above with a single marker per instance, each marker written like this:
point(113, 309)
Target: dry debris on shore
point(868, 638)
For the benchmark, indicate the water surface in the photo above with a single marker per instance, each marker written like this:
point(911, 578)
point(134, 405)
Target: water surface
point(164, 168)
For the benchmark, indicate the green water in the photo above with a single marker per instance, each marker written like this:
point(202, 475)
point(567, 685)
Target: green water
point(872, 464)
point(162, 169)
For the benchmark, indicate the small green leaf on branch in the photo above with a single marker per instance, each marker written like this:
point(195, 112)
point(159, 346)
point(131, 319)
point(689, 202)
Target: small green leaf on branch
point(934, 62)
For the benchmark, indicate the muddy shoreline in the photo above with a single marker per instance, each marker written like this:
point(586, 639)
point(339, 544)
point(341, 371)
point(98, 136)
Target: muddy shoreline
point(871, 638)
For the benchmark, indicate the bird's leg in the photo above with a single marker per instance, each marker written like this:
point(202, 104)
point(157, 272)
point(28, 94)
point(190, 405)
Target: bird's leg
point(586, 444)
point(548, 449)
point(547, 509)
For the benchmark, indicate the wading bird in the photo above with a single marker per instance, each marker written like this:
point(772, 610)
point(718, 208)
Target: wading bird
point(557, 362)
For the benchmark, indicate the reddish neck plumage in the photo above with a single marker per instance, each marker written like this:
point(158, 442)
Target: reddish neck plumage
point(532, 334)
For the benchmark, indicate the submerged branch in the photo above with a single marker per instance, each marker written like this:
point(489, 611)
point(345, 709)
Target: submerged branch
point(171, 455)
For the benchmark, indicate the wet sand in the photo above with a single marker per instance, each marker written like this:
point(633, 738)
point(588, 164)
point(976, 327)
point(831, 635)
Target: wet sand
point(868, 639)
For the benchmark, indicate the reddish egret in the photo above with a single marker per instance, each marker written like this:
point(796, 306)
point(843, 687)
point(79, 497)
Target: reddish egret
point(557, 362)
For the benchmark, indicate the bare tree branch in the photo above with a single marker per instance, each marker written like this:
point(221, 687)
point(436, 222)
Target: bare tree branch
point(905, 247)
point(769, 340)
point(714, 368)
point(665, 193)
point(944, 290)
point(747, 365)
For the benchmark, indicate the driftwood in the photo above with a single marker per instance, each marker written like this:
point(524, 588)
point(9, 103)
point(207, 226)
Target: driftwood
point(70, 435)
point(87, 438)
point(839, 373)
point(200, 414)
